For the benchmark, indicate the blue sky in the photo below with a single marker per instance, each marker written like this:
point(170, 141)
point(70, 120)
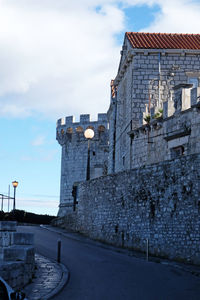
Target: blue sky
point(54, 57)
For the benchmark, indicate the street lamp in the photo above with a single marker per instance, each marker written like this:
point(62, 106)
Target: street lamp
point(15, 184)
point(89, 134)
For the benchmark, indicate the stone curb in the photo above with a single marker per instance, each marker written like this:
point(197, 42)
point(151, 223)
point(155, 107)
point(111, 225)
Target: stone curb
point(63, 282)
point(36, 289)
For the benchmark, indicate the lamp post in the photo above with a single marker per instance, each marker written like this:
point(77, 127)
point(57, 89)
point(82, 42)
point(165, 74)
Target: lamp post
point(15, 184)
point(89, 134)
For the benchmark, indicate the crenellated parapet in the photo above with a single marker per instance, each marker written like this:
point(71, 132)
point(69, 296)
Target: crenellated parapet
point(185, 97)
point(85, 118)
point(68, 129)
point(170, 132)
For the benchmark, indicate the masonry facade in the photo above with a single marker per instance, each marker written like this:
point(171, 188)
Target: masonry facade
point(152, 187)
point(151, 66)
point(159, 202)
point(172, 135)
point(70, 136)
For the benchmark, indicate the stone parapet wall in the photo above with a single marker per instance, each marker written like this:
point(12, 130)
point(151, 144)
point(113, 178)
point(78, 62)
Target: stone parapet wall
point(158, 202)
point(17, 255)
point(163, 137)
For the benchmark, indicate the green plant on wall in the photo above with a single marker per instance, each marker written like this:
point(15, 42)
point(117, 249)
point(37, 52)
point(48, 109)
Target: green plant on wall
point(158, 114)
point(147, 119)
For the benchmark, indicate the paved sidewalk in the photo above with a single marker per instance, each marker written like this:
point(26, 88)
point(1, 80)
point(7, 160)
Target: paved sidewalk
point(50, 277)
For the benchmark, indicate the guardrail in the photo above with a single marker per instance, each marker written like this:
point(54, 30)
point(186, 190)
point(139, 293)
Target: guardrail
point(5, 197)
point(7, 293)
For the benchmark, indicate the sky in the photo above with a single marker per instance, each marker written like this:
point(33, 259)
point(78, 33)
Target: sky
point(57, 58)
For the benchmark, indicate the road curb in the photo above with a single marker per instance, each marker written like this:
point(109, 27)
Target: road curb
point(42, 286)
point(63, 282)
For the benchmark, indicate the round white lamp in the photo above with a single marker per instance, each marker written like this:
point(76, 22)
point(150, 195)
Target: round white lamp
point(89, 133)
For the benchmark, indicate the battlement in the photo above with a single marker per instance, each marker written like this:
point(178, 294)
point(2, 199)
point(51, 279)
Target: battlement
point(69, 130)
point(84, 119)
point(185, 97)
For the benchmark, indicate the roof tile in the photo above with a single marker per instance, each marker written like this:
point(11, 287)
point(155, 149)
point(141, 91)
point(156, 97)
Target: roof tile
point(164, 40)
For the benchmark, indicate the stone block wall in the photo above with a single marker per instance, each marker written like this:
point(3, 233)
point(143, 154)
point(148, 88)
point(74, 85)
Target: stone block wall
point(159, 202)
point(70, 136)
point(17, 255)
point(162, 138)
point(146, 77)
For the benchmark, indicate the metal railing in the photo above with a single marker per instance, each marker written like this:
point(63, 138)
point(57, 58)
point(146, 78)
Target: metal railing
point(8, 198)
point(7, 293)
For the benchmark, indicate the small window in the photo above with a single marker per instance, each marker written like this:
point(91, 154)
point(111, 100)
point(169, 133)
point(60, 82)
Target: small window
point(69, 134)
point(79, 129)
point(177, 152)
point(101, 128)
point(69, 130)
point(90, 127)
point(123, 161)
point(74, 195)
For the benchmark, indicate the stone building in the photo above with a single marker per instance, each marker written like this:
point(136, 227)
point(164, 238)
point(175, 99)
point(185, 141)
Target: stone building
point(151, 65)
point(70, 136)
point(151, 192)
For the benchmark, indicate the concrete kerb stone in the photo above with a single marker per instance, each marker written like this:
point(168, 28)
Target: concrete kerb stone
point(50, 278)
point(63, 282)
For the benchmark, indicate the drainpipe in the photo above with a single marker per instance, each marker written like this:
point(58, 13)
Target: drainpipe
point(159, 72)
point(114, 135)
point(131, 121)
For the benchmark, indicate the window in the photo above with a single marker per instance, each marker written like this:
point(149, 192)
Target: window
point(79, 129)
point(177, 152)
point(74, 195)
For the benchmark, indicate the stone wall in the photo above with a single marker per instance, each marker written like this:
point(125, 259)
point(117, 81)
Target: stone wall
point(17, 255)
point(159, 202)
point(173, 134)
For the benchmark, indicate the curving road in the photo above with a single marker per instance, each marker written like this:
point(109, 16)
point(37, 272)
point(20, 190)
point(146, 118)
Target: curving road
point(101, 273)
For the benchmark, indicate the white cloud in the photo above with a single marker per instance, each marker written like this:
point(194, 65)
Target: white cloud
point(57, 57)
point(179, 16)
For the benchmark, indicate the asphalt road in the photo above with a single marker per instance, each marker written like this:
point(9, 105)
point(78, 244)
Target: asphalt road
point(97, 273)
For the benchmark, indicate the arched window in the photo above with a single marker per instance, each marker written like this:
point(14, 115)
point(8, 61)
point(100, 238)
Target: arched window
point(101, 128)
point(69, 134)
point(102, 134)
point(69, 130)
point(79, 129)
point(90, 127)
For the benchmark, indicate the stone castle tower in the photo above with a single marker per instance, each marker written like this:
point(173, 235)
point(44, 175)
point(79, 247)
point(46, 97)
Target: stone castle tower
point(70, 135)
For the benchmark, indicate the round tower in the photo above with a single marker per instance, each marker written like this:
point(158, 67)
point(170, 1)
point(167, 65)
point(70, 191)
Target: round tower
point(74, 158)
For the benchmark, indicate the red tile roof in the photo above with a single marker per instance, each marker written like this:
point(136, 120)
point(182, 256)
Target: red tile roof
point(163, 40)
